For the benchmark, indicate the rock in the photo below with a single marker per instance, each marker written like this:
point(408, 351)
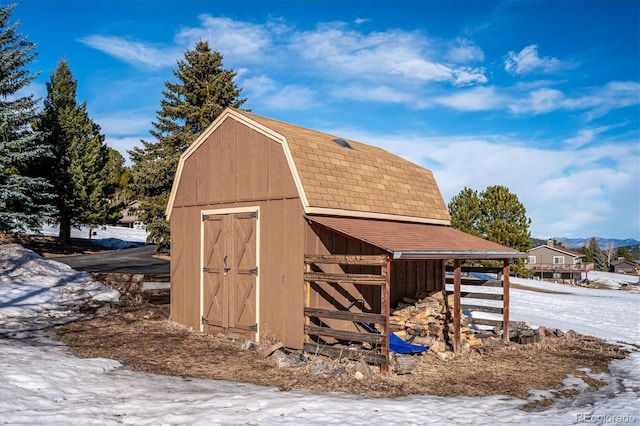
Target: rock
point(319, 367)
point(446, 356)
point(438, 346)
point(284, 360)
point(358, 375)
point(364, 369)
point(545, 333)
point(402, 364)
point(559, 332)
point(249, 346)
point(571, 334)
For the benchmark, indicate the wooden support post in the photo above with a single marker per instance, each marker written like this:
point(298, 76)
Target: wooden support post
point(457, 267)
point(385, 304)
point(307, 300)
point(505, 301)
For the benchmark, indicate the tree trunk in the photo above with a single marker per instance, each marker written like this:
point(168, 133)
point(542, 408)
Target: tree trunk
point(65, 231)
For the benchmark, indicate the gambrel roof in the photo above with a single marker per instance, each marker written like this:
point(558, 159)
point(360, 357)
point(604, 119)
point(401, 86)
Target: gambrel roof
point(342, 177)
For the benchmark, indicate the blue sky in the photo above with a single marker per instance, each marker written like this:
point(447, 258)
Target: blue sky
point(542, 97)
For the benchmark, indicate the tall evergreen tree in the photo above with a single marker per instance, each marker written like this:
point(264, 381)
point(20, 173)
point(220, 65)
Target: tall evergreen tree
point(202, 91)
point(78, 168)
point(495, 214)
point(504, 218)
point(599, 257)
point(465, 211)
point(25, 197)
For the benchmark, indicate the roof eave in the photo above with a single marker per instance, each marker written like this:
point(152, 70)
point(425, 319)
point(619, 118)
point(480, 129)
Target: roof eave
point(457, 254)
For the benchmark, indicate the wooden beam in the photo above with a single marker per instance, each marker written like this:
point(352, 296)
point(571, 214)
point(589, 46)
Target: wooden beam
point(472, 281)
point(345, 315)
point(345, 259)
point(480, 308)
point(505, 301)
point(350, 336)
point(475, 269)
point(333, 352)
point(483, 296)
point(385, 304)
point(307, 299)
point(456, 304)
point(491, 322)
point(362, 279)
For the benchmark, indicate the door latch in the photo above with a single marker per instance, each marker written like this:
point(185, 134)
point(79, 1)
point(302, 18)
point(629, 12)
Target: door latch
point(226, 269)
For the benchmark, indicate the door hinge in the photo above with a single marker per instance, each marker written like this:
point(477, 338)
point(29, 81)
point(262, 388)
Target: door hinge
point(205, 269)
point(204, 321)
point(205, 216)
point(254, 271)
point(254, 214)
point(254, 327)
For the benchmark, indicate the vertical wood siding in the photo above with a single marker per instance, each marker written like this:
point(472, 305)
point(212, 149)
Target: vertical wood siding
point(238, 167)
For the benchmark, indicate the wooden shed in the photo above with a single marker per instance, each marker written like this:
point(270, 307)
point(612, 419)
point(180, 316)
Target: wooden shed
point(287, 233)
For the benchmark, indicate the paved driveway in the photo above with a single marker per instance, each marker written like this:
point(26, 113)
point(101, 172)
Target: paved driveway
point(136, 260)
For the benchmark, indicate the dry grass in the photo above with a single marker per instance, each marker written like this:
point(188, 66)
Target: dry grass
point(145, 340)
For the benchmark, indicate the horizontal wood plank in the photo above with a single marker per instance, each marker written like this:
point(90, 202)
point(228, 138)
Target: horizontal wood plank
point(345, 315)
point(488, 270)
point(351, 336)
point(346, 259)
point(336, 353)
point(490, 322)
point(483, 296)
point(364, 279)
point(472, 281)
point(480, 308)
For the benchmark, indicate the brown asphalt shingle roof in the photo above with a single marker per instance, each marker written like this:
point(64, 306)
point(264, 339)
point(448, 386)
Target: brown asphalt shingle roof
point(363, 179)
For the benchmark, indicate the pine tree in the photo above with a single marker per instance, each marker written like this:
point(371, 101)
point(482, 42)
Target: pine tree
point(496, 215)
point(25, 197)
point(465, 211)
point(504, 219)
point(599, 257)
point(78, 169)
point(202, 91)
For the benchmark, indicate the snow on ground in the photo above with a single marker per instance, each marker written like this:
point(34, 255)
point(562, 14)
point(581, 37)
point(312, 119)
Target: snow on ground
point(115, 237)
point(41, 382)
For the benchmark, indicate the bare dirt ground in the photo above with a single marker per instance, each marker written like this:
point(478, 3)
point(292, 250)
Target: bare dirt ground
point(143, 338)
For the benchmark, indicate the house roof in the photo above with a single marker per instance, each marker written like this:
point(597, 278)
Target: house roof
point(563, 250)
point(407, 241)
point(344, 178)
point(625, 261)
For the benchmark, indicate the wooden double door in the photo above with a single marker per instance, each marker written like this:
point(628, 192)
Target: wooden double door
point(229, 301)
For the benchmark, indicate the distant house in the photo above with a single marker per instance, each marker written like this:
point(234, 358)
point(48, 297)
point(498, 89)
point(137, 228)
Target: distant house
point(549, 261)
point(625, 266)
point(130, 217)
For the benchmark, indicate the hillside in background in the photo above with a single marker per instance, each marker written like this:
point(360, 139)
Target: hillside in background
point(604, 243)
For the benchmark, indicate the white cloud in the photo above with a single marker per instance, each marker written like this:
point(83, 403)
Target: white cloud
point(595, 101)
point(586, 136)
point(377, 94)
point(475, 99)
point(539, 101)
point(527, 60)
point(138, 54)
point(124, 123)
point(376, 56)
point(267, 93)
point(464, 52)
point(236, 40)
point(124, 144)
